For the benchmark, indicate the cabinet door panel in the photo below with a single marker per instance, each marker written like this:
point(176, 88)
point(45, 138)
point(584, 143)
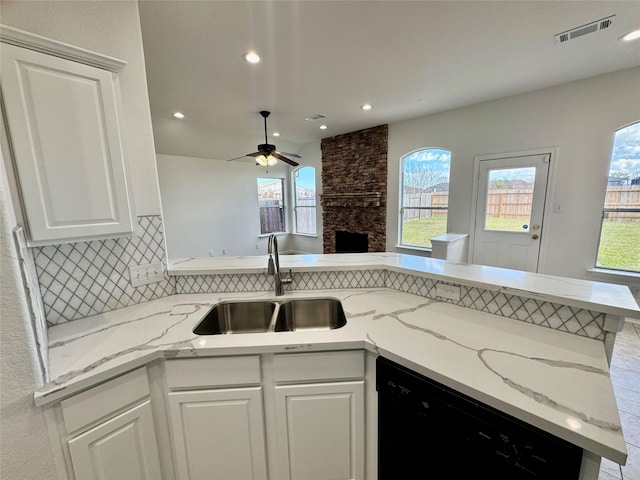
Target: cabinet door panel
point(63, 123)
point(122, 448)
point(219, 434)
point(320, 430)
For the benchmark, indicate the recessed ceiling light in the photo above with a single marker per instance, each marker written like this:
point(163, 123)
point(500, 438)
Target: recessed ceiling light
point(251, 57)
point(276, 134)
point(323, 127)
point(630, 36)
point(366, 106)
point(178, 115)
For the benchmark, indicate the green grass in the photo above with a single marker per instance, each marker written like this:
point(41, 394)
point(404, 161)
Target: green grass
point(619, 245)
point(419, 232)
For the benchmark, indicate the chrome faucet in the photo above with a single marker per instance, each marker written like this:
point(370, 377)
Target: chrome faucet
point(273, 267)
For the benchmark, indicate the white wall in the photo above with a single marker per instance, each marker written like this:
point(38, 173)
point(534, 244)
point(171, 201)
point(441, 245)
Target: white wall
point(579, 118)
point(25, 451)
point(110, 28)
point(211, 205)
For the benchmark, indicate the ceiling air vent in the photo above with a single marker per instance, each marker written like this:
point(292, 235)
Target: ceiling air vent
point(592, 27)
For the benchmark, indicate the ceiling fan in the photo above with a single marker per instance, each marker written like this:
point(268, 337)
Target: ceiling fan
point(267, 153)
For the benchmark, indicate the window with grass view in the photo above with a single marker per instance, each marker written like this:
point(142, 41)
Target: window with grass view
point(619, 247)
point(271, 203)
point(424, 200)
point(304, 186)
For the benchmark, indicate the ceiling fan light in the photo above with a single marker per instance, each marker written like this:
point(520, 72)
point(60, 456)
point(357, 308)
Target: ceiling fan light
point(261, 160)
point(271, 160)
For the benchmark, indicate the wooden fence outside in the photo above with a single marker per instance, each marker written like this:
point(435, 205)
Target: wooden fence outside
point(306, 216)
point(627, 196)
point(516, 203)
point(271, 216)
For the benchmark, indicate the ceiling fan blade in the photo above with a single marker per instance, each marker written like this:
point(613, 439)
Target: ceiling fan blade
point(254, 154)
point(294, 155)
point(285, 159)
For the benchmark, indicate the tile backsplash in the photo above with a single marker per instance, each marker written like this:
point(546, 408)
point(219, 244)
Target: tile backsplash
point(573, 320)
point(81, 279)
point(86, 278)
point(256, 282)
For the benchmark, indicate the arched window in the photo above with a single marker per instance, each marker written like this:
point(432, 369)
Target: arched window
point(304, 187)
point(619, 247)
point(424, 196)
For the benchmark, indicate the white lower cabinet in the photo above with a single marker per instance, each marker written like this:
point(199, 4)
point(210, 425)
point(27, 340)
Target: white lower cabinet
point(320, 415)
point(309, 406)
point(320, 430)
point(121, 448)
point(109, 431)
point(217, 418)
point(219, 434)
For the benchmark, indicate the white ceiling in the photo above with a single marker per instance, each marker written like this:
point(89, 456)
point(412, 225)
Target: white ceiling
point(406, 58)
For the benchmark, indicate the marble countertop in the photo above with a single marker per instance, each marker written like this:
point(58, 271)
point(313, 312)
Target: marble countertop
point(602, 297)
point(554, 380)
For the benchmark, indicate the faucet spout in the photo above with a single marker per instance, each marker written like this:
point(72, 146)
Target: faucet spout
point(273, 266)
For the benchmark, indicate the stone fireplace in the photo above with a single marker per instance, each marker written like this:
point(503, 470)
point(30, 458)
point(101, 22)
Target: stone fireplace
point(354, 190)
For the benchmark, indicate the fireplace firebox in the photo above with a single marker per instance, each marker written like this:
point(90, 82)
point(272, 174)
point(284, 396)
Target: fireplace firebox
point(351, 242)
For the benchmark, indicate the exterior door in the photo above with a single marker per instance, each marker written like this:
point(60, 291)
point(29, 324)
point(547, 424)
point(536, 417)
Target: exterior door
point(509, 211)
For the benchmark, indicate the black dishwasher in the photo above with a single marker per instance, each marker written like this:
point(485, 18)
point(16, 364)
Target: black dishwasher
point(429, 431)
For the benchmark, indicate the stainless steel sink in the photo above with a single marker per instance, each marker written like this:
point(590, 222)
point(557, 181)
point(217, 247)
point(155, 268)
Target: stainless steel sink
point(237, 317)
point(272, 316)
point(310, 314)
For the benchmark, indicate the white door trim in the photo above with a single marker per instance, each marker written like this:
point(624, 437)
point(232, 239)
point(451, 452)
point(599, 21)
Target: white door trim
point(548, 203)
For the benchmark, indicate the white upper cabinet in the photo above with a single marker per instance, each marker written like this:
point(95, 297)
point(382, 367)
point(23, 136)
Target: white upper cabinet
point(64, 129)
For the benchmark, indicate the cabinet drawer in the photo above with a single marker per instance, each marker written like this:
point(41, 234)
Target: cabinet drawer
point(213, 371)
point(303, 367)
point(103, 400)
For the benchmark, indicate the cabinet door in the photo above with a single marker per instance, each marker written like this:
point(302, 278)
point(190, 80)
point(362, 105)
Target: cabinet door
point(320, 431)
point(219, 434)
point(64, 129)
point(121, 448)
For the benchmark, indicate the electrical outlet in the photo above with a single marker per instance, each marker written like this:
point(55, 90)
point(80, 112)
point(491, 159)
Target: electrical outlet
point(452, 292)
point(145, 274)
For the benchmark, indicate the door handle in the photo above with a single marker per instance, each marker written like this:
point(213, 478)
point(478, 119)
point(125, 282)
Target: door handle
point(535, 236)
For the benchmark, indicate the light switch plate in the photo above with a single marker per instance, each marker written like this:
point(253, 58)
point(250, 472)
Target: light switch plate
point(145, 274)
point(452, 292)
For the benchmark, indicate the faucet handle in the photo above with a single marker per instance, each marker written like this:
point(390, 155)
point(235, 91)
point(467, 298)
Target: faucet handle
point(284, 278)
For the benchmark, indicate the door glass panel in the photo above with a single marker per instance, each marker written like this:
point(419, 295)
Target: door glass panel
point(509, 199)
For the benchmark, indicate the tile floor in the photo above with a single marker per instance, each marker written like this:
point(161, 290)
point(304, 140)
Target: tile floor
point(625, 376)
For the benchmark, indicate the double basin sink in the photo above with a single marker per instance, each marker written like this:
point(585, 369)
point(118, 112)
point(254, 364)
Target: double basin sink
point(251, 316)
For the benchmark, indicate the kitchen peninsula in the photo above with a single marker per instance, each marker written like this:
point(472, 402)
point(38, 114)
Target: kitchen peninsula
point(530, 345)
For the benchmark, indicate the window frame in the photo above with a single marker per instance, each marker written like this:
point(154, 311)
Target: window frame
point(401, 199)
point(296, 231)
point(607, 210)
